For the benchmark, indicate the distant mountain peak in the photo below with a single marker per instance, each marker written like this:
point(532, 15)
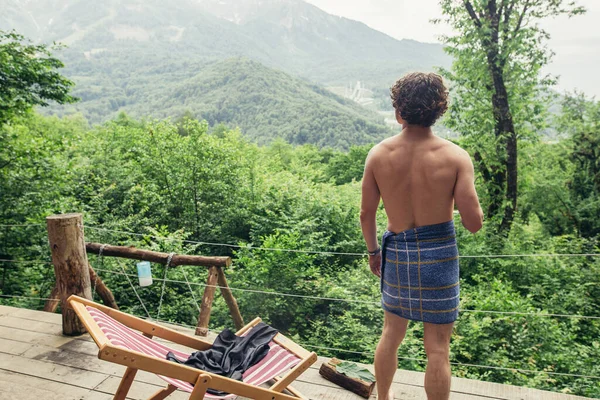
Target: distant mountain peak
point(243, 11)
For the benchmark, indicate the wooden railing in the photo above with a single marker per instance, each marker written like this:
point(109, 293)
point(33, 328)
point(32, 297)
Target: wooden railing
point(74, 275)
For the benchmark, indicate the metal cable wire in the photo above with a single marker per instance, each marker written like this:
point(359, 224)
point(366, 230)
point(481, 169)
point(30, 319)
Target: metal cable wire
point(273, 293)
point(20, 225)
point(333, 252)
point(190, 287)
point(311, 251)
point(26, 261)
point(28, 297)
point(376, 302)
point(162, 292)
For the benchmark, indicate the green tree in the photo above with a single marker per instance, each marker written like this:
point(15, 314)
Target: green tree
point(346, 167)
point(28, 77)
point(498, 86)
point(581, 120)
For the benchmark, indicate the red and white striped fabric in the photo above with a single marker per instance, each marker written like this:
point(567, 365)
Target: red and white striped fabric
point(275, 363)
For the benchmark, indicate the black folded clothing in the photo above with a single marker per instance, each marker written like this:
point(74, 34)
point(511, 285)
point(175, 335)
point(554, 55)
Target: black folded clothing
point(231, 355)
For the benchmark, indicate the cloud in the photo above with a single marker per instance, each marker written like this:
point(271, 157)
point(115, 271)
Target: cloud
point(574, 40)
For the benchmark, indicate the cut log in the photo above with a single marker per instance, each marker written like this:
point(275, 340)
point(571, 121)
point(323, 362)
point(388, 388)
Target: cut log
point(67, 244)
point(103, 291)
point(358, 386)
point(156, 257)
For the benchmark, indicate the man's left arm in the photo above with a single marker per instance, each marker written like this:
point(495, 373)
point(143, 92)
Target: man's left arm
point(368, 212)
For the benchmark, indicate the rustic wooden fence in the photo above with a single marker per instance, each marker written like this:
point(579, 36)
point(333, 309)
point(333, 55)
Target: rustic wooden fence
point(74, 275)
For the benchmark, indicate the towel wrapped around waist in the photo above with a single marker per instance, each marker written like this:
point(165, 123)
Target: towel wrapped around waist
point(419, 273)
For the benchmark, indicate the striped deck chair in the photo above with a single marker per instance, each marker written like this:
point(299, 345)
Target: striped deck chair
point(126, 340)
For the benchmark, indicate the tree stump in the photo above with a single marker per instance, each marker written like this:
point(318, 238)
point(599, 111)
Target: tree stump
point(358, 386)
point(67, 244)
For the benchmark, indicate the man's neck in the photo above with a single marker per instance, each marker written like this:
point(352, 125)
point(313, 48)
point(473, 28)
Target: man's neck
point(416, 132)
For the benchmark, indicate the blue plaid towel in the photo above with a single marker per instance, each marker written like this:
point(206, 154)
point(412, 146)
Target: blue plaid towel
point(419, 274)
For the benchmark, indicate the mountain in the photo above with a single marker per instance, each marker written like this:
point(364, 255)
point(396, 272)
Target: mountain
point(265, 103)
point(125, 54)
point(286, 34)
point(326, 48)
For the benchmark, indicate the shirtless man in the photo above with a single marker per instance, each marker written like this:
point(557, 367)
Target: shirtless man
point(420, 178)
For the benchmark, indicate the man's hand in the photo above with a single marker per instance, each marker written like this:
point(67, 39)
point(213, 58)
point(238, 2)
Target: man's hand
point(375, 264)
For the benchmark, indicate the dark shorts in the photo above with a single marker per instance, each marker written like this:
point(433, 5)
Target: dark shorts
point(419, 273)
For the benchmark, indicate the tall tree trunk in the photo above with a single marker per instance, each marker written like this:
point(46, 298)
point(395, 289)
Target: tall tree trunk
point(511, 181)
point(508, 138)
point(505, 128)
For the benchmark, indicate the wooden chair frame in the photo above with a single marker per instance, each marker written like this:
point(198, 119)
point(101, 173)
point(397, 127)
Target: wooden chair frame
point(201, 380)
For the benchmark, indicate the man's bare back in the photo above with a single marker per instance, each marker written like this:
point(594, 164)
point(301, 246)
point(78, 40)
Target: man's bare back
point(419, 177)
point(416, 176)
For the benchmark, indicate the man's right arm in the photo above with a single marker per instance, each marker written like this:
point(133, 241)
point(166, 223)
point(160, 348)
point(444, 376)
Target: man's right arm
point(465, 195)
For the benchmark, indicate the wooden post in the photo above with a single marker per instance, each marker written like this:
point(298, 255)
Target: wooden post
point(230, 300)
point(103, 291)
point(156, 257)
point(207, 300)
point(67, 244)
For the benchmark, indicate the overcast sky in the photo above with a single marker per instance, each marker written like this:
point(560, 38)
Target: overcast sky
point(575, 41)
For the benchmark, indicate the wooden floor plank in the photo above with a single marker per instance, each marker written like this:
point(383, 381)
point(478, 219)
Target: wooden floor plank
point(6, 310)
point(33, 337)
point(17, 386)
point(37, 362)
point(25, 313)
point(13, 347)
point(11, 321)
point(47, 370)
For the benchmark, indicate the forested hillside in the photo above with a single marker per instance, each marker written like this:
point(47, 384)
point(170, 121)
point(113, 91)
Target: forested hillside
point(264, 103)
point(136, 56)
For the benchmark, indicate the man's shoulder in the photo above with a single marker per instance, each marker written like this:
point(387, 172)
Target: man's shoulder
point(381, 148)
point(452, 148)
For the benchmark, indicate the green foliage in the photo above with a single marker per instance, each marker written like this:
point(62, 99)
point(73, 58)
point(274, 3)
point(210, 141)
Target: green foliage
point(581, 121)
point(500, 95)
point(28, 77)
point(347, 167)
point(567, 173)
point(264, 103)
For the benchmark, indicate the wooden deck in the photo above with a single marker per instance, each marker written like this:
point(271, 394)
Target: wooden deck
point(37, 362)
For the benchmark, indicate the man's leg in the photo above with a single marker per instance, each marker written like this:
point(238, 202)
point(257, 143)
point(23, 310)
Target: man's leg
point(386, 355)
point(437, 347)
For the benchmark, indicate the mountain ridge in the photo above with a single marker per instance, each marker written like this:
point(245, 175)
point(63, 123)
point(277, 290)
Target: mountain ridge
point(266, 104)
point(291, 35)
point(123, 55)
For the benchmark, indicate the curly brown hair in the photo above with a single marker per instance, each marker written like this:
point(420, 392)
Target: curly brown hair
point(420, 98)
